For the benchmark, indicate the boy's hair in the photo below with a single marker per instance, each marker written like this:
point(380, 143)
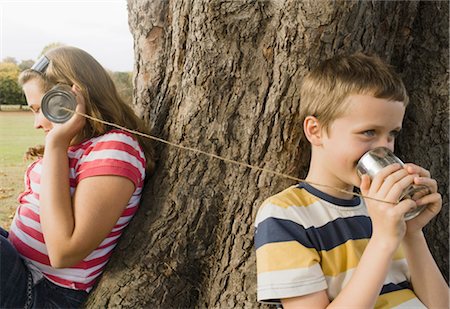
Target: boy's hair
point(73, 66)
point(325, 89)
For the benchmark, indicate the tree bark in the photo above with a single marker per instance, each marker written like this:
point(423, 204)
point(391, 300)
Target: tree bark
point(425, 137)
point(224, 77)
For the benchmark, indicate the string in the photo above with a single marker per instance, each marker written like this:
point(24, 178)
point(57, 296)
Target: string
point(224, 159)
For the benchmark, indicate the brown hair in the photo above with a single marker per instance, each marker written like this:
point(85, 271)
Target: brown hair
point(325, 89)
point(73, 66)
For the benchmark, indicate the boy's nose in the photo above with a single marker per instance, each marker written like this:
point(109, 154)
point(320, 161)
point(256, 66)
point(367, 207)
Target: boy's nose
point(385, 142)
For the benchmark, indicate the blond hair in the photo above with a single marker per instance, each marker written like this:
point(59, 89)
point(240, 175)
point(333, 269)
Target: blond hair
point(325, 89)
point(73, 66)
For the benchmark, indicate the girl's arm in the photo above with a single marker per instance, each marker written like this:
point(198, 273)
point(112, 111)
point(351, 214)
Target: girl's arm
point(74, 226)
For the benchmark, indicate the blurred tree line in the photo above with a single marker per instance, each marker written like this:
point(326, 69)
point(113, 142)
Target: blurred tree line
point(11, 93)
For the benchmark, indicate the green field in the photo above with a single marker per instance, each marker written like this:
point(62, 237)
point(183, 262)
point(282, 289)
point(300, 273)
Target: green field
point(16, 135)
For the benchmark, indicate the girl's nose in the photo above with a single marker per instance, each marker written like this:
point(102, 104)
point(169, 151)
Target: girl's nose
point(38, 120)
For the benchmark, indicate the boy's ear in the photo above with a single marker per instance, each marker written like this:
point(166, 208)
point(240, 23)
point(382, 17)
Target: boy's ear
point(313, 130)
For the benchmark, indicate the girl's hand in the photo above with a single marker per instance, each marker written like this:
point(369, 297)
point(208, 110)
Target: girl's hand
point(63, 133)
point(388, 221)
point(432, 200)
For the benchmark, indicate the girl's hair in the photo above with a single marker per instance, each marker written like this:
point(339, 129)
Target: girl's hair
point(73, 66)
point(325, 89)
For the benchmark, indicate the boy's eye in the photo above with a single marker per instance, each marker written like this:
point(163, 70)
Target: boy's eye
point(395, 133)
point(369, 133)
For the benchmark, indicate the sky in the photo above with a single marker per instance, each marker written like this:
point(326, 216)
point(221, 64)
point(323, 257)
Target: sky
point(100, 27)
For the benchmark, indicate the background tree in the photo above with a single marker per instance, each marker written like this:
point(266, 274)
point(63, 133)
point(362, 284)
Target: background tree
point(49, 47)
point(26, 64)
point(124, 84)
point(224, 77)
point(10, 92)
point(10, 60)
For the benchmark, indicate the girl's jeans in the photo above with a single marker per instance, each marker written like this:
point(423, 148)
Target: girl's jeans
point(15, 281)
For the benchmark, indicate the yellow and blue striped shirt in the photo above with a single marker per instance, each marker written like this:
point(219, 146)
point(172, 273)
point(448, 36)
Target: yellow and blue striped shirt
point(307, 241)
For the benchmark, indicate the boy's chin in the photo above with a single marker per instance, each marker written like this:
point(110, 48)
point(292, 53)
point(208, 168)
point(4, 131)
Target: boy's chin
point(356, 181)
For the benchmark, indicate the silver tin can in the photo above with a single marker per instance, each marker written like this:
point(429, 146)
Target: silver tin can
point(378, 158)
point(57, 104)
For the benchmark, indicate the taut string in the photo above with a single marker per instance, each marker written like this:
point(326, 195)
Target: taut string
point(211, 155)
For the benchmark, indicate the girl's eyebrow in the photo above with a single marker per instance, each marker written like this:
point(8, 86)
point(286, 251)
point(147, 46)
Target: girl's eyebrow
point(33, 107)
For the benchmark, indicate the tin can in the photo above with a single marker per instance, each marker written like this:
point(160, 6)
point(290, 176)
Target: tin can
point(378, 158)
point(57, 104)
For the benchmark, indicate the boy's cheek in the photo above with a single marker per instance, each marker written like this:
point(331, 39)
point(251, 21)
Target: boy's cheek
point(357, 182)
point(355, 178)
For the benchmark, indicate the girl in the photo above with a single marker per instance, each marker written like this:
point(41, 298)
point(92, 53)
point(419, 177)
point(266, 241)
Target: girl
point(81, 192)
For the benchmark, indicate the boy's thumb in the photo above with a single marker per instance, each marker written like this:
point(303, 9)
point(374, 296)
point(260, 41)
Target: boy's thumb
point(365, 184)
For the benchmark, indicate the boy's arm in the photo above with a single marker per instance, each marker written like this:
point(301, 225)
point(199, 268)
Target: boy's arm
point(363, 288)
point(388, 227)
point(428, 283)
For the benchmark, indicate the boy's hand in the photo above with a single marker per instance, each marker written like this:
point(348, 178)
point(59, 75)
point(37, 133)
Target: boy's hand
point(433, 200)
point(388, 221)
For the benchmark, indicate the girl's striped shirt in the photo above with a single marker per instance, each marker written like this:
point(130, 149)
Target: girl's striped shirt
point(114, 153)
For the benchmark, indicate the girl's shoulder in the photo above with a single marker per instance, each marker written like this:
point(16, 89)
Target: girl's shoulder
point(114, 152)
point(113, 140)
point(111, 136)
point(115, 135)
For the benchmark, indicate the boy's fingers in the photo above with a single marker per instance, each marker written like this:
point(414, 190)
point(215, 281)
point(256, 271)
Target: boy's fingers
point(404, 206)
point(395, 191)
point(415, 169)
point(378, 180)
point(429, 182)
point(365, 184)
point(396, 179)
point(431, 199)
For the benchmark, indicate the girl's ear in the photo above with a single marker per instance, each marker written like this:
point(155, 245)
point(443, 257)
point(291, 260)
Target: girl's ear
point(313, 130)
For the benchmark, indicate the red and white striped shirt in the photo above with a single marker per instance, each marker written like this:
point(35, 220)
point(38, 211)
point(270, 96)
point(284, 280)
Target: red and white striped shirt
point(114, 153)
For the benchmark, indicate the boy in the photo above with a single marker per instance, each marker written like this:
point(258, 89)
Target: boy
point(319, 247)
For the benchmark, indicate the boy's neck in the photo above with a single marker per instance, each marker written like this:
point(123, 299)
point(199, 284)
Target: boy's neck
point(317, 175)
point(328, 188)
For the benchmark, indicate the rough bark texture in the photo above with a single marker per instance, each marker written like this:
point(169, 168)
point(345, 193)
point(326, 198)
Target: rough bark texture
point(425, 139)
point(223, 77)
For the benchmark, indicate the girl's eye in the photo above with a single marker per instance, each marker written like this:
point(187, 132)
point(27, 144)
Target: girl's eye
point(35, 109)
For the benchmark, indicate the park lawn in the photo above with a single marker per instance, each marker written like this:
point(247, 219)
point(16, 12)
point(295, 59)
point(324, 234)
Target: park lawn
point(16, 135)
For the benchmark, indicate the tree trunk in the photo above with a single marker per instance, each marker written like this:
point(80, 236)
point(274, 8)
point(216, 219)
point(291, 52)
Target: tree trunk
point(224, 77)
point(425, 137)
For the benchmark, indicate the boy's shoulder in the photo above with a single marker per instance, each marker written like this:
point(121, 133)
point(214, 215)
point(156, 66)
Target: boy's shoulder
point(294, 196)
point(292, 204)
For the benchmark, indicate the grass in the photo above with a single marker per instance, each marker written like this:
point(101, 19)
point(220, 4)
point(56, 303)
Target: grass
point(16, 135)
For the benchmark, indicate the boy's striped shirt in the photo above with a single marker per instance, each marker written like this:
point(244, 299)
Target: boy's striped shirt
point(307, 241)
point(114, 153)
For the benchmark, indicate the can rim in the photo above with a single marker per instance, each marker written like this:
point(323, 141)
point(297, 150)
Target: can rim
point(46, 107)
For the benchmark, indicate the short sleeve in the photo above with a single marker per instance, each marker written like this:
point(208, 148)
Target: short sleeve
point(288, 265)
point(115, 153)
